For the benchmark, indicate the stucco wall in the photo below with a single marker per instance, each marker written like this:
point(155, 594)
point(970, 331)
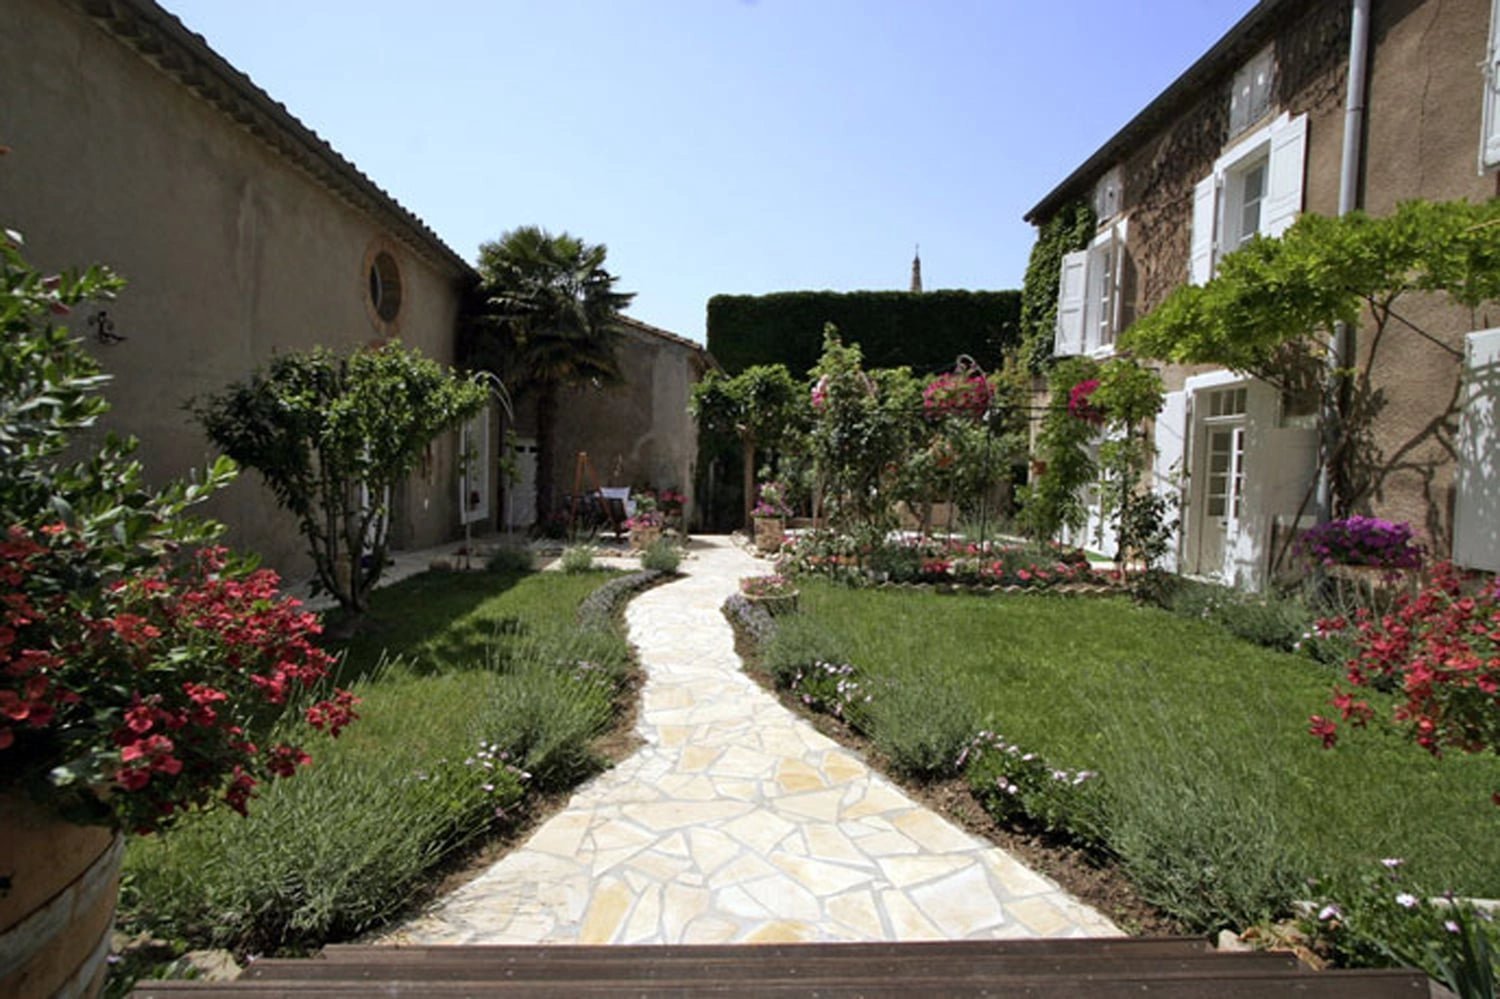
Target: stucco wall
point(638, 433)
point(230, 251)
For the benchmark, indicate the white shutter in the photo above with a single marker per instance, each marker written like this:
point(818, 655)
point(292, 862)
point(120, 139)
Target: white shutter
point(1168, 460)
point(1205, 215)
point(1489, 146)
point(1072, 290)
point(474, 456)
point(1116, 275)
point(1476, 512)
point(1284, 180)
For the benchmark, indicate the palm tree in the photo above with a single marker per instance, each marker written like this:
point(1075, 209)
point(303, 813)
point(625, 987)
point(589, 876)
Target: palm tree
point(547, 320)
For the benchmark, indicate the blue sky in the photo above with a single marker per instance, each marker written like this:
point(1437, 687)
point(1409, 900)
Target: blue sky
point(724, 146)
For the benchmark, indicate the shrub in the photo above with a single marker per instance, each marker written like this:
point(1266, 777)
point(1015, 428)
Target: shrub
point(1377, 920)
point(662, 556)
point(578, 558)
point(794, 644)
point(1012, 783)
point(754, 620)
point(921, 723)
point(319, 427)
point(128, 663)
point(1201, 842)
point(512, 559)
point(1441, 649)
point(598, 609)
point(439, 761)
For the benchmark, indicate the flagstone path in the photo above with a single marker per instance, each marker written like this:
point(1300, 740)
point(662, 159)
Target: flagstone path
point(738, 822)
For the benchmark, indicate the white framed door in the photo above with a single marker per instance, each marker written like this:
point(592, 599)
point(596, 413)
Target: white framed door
point(520, 497)
point(1219, 479)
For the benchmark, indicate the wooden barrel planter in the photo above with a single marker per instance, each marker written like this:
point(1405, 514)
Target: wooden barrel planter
point(58, 884)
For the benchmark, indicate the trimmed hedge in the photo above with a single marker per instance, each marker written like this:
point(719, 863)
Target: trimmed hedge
point(924, 330)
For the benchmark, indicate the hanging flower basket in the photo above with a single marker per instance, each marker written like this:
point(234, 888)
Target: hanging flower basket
point(958, 393)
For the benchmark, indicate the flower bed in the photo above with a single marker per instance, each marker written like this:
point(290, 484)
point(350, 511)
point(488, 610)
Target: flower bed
point(946, 565)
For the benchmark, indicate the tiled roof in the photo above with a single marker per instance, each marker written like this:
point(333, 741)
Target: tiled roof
point(662, 334)
point(163, 40)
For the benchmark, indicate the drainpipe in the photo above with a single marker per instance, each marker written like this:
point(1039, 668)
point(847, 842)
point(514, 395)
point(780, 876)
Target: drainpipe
point(1342, 356)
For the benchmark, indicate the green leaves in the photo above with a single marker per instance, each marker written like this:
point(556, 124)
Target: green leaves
point(317, 426)
point(1321, 272)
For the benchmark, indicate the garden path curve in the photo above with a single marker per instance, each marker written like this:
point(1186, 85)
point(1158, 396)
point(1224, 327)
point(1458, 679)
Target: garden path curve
point(738, 822)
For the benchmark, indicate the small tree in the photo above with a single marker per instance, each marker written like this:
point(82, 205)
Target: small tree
point(332, 437)
point(759, 407)
point(864, 426)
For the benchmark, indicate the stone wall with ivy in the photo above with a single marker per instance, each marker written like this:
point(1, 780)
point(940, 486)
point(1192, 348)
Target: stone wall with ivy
point(1068, 230)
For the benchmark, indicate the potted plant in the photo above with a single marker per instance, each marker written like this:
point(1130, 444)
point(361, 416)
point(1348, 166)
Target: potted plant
point(776, 593)
point(1364, 550)
point(130, 658)
point(645, 525)
point(770, 513)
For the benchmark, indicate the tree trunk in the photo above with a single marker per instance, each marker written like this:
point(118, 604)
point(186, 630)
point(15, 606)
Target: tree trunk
point(546, 444)
point(749, 449)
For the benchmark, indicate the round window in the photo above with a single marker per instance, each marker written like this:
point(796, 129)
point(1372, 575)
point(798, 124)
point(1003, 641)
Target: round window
point(385, 286)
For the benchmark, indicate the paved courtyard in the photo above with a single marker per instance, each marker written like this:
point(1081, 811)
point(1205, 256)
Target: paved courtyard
point(738, 822)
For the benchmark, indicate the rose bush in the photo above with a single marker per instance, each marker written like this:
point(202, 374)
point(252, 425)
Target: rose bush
point(1441, 650)
point(132, 664)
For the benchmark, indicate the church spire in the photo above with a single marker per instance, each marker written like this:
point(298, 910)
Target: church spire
point(916, 271)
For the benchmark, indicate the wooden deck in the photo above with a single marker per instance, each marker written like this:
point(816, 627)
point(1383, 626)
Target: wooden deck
point(1099, 968)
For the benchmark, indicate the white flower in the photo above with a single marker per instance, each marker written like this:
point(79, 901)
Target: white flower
point(1451, 926)
point(1392, 862)
point(1406, 900)
point(1329, 912)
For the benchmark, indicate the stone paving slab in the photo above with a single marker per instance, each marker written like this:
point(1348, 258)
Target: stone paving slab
point(738, 822)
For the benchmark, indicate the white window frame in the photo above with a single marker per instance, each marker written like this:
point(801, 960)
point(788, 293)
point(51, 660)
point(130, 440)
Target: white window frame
point(1089, 310)
point(1489, 136)
point(1218, 197)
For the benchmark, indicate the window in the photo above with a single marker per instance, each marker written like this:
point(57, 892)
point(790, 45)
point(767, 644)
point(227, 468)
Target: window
point(1090, 307)
point(1254, 189)
point(385, 286)
point(1250, 93)
point(1109, 194)
point(1489, 143)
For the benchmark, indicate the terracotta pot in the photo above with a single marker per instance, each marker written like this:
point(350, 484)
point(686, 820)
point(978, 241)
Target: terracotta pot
point(768, 534)
point(55, 919)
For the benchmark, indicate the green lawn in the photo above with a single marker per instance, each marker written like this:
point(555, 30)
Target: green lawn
point(1201, 739)
point(446, 661)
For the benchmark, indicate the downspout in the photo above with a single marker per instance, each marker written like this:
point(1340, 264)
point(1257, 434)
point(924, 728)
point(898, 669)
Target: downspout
point(1342, 356)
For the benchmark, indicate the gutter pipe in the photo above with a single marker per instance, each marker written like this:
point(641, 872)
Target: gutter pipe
point(1342, 355)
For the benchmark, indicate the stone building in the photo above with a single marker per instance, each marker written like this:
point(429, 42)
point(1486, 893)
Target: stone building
point(637, 434)
point(242, 233)
point(1251, 135)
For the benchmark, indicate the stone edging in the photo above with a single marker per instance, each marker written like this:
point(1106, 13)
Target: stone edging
point(752, 618)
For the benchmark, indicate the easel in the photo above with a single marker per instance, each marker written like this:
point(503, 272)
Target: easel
point(580, 466)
